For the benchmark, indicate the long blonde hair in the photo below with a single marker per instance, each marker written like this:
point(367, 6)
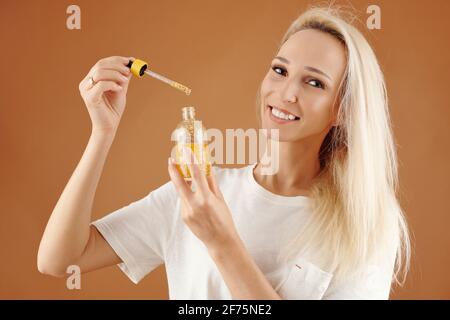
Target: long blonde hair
point(356, 218)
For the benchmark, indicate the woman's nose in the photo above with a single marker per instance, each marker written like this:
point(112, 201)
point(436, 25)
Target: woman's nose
point(292, 99)
point(289, 93)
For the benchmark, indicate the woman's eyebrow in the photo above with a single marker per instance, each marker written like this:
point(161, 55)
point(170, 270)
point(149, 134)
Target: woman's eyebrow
point(312, 69)
point(282, 59)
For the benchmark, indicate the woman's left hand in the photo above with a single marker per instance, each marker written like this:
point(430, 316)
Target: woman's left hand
point(204, 211)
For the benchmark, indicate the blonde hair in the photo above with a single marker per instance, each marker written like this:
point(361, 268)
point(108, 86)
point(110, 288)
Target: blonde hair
point(356, 218)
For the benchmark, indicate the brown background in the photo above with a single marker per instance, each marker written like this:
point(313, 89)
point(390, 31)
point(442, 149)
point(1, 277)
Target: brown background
point(221, 49)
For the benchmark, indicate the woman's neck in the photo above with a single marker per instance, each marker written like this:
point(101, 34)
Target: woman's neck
point(298, 166)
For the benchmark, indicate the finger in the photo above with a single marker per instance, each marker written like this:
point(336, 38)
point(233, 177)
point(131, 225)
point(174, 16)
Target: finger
point(96, 92)
point(181, 186)
point(212, 182)
point(84, 84)
point(105, 75)
point(121, 60)
point(116, 63)
point(197, 175)
point(110, 75)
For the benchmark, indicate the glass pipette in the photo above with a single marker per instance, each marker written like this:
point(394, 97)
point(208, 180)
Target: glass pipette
point(139, 67)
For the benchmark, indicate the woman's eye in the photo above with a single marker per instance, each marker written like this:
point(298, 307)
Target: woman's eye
point(316, 83)
point(283, 72)
point(279, 70)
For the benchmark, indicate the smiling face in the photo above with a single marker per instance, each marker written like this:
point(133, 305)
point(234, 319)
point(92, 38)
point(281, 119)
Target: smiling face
point(301, 86)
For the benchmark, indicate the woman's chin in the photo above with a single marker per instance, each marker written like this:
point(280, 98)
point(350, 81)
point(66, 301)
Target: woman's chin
point(278, 134)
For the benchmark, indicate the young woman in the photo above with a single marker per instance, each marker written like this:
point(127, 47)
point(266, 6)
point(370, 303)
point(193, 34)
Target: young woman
point(326, 225)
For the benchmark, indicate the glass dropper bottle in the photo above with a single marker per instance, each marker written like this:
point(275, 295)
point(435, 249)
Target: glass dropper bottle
point(191, 133)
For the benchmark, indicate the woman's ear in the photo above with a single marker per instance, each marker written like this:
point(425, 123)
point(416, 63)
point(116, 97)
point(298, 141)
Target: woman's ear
point(335, 115)
point(335, 122)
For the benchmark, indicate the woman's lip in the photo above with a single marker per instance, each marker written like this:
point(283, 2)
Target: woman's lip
point(278, 120)
point(282, 110)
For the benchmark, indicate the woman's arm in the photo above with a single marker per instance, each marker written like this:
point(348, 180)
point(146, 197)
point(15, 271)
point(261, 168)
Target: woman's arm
point(67, 233)
point(207, 215)
point(68, 238)
point(243, 277)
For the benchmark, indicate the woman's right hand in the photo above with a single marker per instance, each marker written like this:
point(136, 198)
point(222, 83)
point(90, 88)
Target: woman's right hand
point(105, 99)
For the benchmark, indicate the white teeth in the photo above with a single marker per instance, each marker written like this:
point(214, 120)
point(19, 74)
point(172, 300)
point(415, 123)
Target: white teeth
point(280, 114)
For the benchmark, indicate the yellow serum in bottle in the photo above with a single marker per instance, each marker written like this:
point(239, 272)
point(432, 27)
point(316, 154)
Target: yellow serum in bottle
point(191, 133)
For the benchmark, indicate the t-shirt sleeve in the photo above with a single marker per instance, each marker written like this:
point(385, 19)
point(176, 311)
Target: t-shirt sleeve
point(372, 284)
point(140, 232)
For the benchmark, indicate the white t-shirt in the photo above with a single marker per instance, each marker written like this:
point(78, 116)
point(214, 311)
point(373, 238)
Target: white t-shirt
point(150, 232)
